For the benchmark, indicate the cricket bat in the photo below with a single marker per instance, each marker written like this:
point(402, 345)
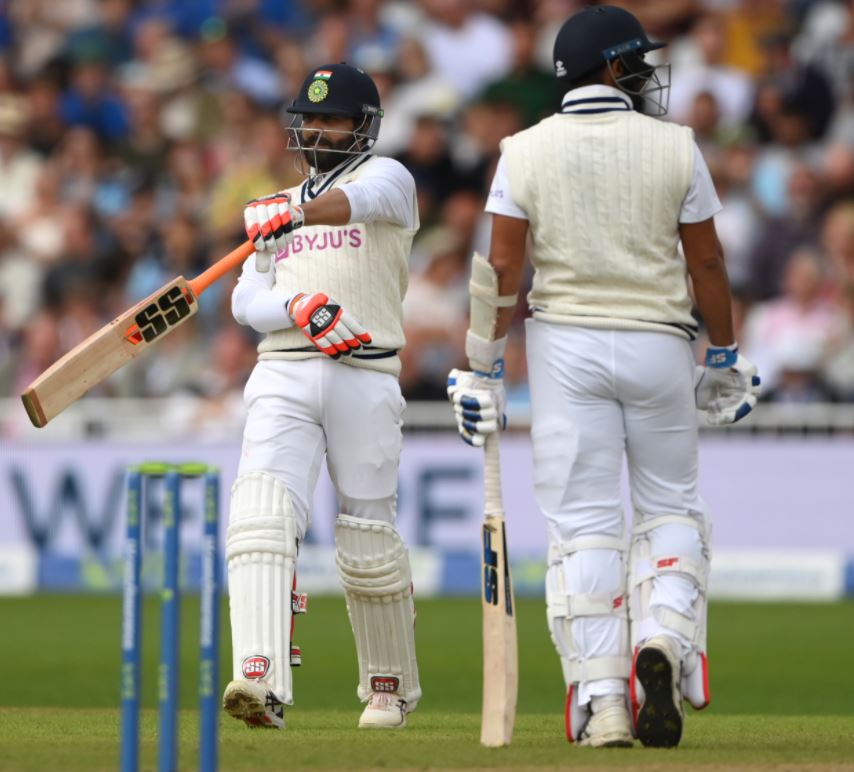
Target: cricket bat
point(123, 339)
point(500, 659)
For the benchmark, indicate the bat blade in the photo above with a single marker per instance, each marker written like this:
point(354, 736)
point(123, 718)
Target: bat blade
point(105, 351)
point(500, 656)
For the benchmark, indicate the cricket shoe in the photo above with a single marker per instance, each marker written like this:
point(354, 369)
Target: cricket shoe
point(659, 671)
point(252, 703)
point(609, 725)
point(385, 710)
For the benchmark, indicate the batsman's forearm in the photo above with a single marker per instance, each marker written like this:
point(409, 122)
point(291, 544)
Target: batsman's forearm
point(704, 257)
point(331, 208)
point(712, 295)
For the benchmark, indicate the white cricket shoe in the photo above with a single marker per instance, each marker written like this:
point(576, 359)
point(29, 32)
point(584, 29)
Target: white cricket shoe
point(609, 725)
point(385, 710)
point(659, 670)
point(250, 702)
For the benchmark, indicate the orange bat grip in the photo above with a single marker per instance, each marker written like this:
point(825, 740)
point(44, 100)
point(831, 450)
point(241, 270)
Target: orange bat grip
point(220, 268)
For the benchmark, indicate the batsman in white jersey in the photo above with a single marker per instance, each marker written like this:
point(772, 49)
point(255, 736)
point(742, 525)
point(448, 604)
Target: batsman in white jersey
point(325, 286)
point(605, 195)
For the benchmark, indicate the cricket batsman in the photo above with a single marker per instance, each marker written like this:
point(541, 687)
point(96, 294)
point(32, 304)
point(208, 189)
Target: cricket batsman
point(325, 286)
point(605, 194)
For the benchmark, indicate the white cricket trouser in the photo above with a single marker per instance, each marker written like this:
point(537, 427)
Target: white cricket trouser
point(299, 410)
point(597, 394)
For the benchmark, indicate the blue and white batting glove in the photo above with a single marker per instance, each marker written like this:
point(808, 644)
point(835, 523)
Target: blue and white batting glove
point(727, 387)
point(479, 402)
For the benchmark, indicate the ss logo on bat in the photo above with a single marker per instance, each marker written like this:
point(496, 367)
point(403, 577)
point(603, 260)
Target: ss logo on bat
point(490, 568)
point(156, 318)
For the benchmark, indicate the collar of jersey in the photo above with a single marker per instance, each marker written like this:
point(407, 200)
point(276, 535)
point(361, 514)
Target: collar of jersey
point(595, 99)
point(314, 186)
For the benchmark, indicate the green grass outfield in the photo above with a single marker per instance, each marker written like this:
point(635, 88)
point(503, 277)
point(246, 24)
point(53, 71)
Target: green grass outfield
point(782, 686)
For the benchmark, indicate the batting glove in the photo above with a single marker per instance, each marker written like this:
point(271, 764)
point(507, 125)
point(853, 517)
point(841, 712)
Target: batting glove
point(479, 402)
point(328, 326)
point(270, 223)
point(727, 387)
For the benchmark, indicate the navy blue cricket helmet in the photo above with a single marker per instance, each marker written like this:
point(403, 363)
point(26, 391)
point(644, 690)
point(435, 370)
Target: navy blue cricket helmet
point(600, 35)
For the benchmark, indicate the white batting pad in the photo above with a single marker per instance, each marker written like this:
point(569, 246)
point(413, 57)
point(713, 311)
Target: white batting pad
point(261, 551)
point(668, 579)
point(374, 569)
point(589, 629)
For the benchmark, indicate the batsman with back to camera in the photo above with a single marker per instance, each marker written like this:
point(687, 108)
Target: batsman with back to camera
point(325, 286)
point(606, 194)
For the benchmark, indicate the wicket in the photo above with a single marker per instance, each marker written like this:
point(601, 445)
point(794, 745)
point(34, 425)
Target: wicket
point(168, 672)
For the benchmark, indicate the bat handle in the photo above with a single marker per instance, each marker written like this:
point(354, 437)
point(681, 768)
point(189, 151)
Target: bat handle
point(221, 267)
point(492, 475)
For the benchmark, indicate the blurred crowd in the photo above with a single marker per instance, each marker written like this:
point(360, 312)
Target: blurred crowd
point(133, 131)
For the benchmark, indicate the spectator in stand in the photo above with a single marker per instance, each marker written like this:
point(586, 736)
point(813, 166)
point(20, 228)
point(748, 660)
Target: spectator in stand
point(837, 238)
point(737, 224)
point(221, 380)
point(367, 30)
point(428, 159)
point(226, 67)
point(704, 117)
point(825, 41)
point(837, 371)
point(418, 91)
point(795, 83)
point(434, 313)
point(40, 348)
point(790, 334)
point(533, 92)
point(797, 227)
point(41, 29)
point(20, 167)
point(40, 228)
point(467, 48)
point(790, 145)
point(20, 295)
point(703, 69)
point(91, 101)
point(45, 128)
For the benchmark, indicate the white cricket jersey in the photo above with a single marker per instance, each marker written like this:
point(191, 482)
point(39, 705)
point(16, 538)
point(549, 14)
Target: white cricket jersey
point(605, 189)
point(362, 265)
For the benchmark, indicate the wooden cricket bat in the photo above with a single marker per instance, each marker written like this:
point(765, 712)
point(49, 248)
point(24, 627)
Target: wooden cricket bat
point(123, 339)
point(500, 659)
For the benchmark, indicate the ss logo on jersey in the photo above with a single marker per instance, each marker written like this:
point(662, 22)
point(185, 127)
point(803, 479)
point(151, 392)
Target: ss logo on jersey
point(156, 318)
point(490, 568)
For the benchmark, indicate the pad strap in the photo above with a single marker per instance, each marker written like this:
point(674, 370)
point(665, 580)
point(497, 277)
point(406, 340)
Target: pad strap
point(643, 524)
point(589, 605)
point(594, 542)
point(600, 667)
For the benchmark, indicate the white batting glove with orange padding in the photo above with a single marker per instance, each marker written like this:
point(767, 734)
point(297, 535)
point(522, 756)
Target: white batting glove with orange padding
point(328, 326)
point(270, 223)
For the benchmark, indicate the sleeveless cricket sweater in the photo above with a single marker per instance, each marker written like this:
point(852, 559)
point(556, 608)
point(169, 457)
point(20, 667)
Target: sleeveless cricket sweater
point(363, 266)
point(603, 193)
